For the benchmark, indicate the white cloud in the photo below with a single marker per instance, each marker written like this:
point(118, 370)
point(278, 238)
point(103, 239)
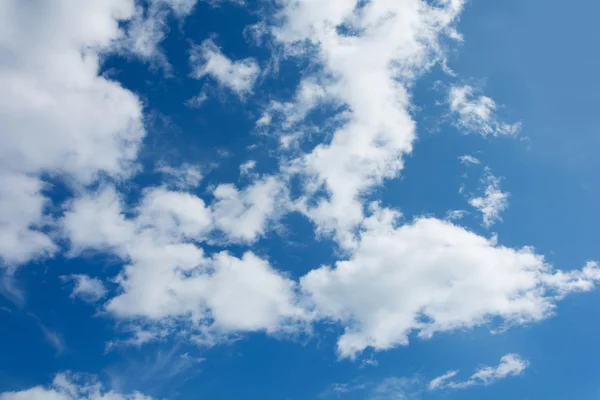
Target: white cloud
point(239, 76)
point(181, 8)
point(185, 176)
point(221, 295)
point(197, 101)
point(59, 116)
point(22, 206)
point(171, 216)
point(396, 281)
point(149, 27)
point(442, 380)
point(493, 202)
point(88, 288)
point(167, 275)
point(309, 94)
point(510, 365)
point(469, 159)
point(247, 167)
point(96, 221)
point(426, 276)
point(146, 30)
point(368, 73)
point(454, 215)
point(431, 276)
point(67, 386)
point(243, 215)
point(477, 113)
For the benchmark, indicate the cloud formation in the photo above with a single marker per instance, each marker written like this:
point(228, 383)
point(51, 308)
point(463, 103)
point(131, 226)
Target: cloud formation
point(398, 280)
point(395, 282)
point(493, 202)
point(477, 113)
point(510, 365)
point(60, 117)
point(181, 272)
point(239, 76)
point(169, 277)
point(66, 386)
point(87, 288)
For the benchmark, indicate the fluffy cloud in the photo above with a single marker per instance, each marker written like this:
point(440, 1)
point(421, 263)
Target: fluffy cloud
point(477, 113)
point(71, 387)
point(367, 57)
point(60, 117)
point(432, 276)
point(243, 215)
point(22, 205)
point(425, 276)
point(239, 76)
point(493, 202)
point(168, 276)
point(96, 221)
point(87, 288)
point(169, 216)
point(510, 365)
point(396, 281)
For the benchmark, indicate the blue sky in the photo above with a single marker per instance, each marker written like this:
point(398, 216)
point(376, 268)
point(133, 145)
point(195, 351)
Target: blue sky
point(294, 199)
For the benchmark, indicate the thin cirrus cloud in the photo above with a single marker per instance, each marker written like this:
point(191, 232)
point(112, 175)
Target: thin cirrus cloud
point(185, 176)
point(510, 365)
point(416, 387)
point(468, 159)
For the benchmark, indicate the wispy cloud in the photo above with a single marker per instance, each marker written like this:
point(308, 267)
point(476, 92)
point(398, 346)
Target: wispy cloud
point(469, 159)
point(510, 365)
point(493, 202)
point(475, 113)
point(159, 372)
point(52, 337)
point(70, 386)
